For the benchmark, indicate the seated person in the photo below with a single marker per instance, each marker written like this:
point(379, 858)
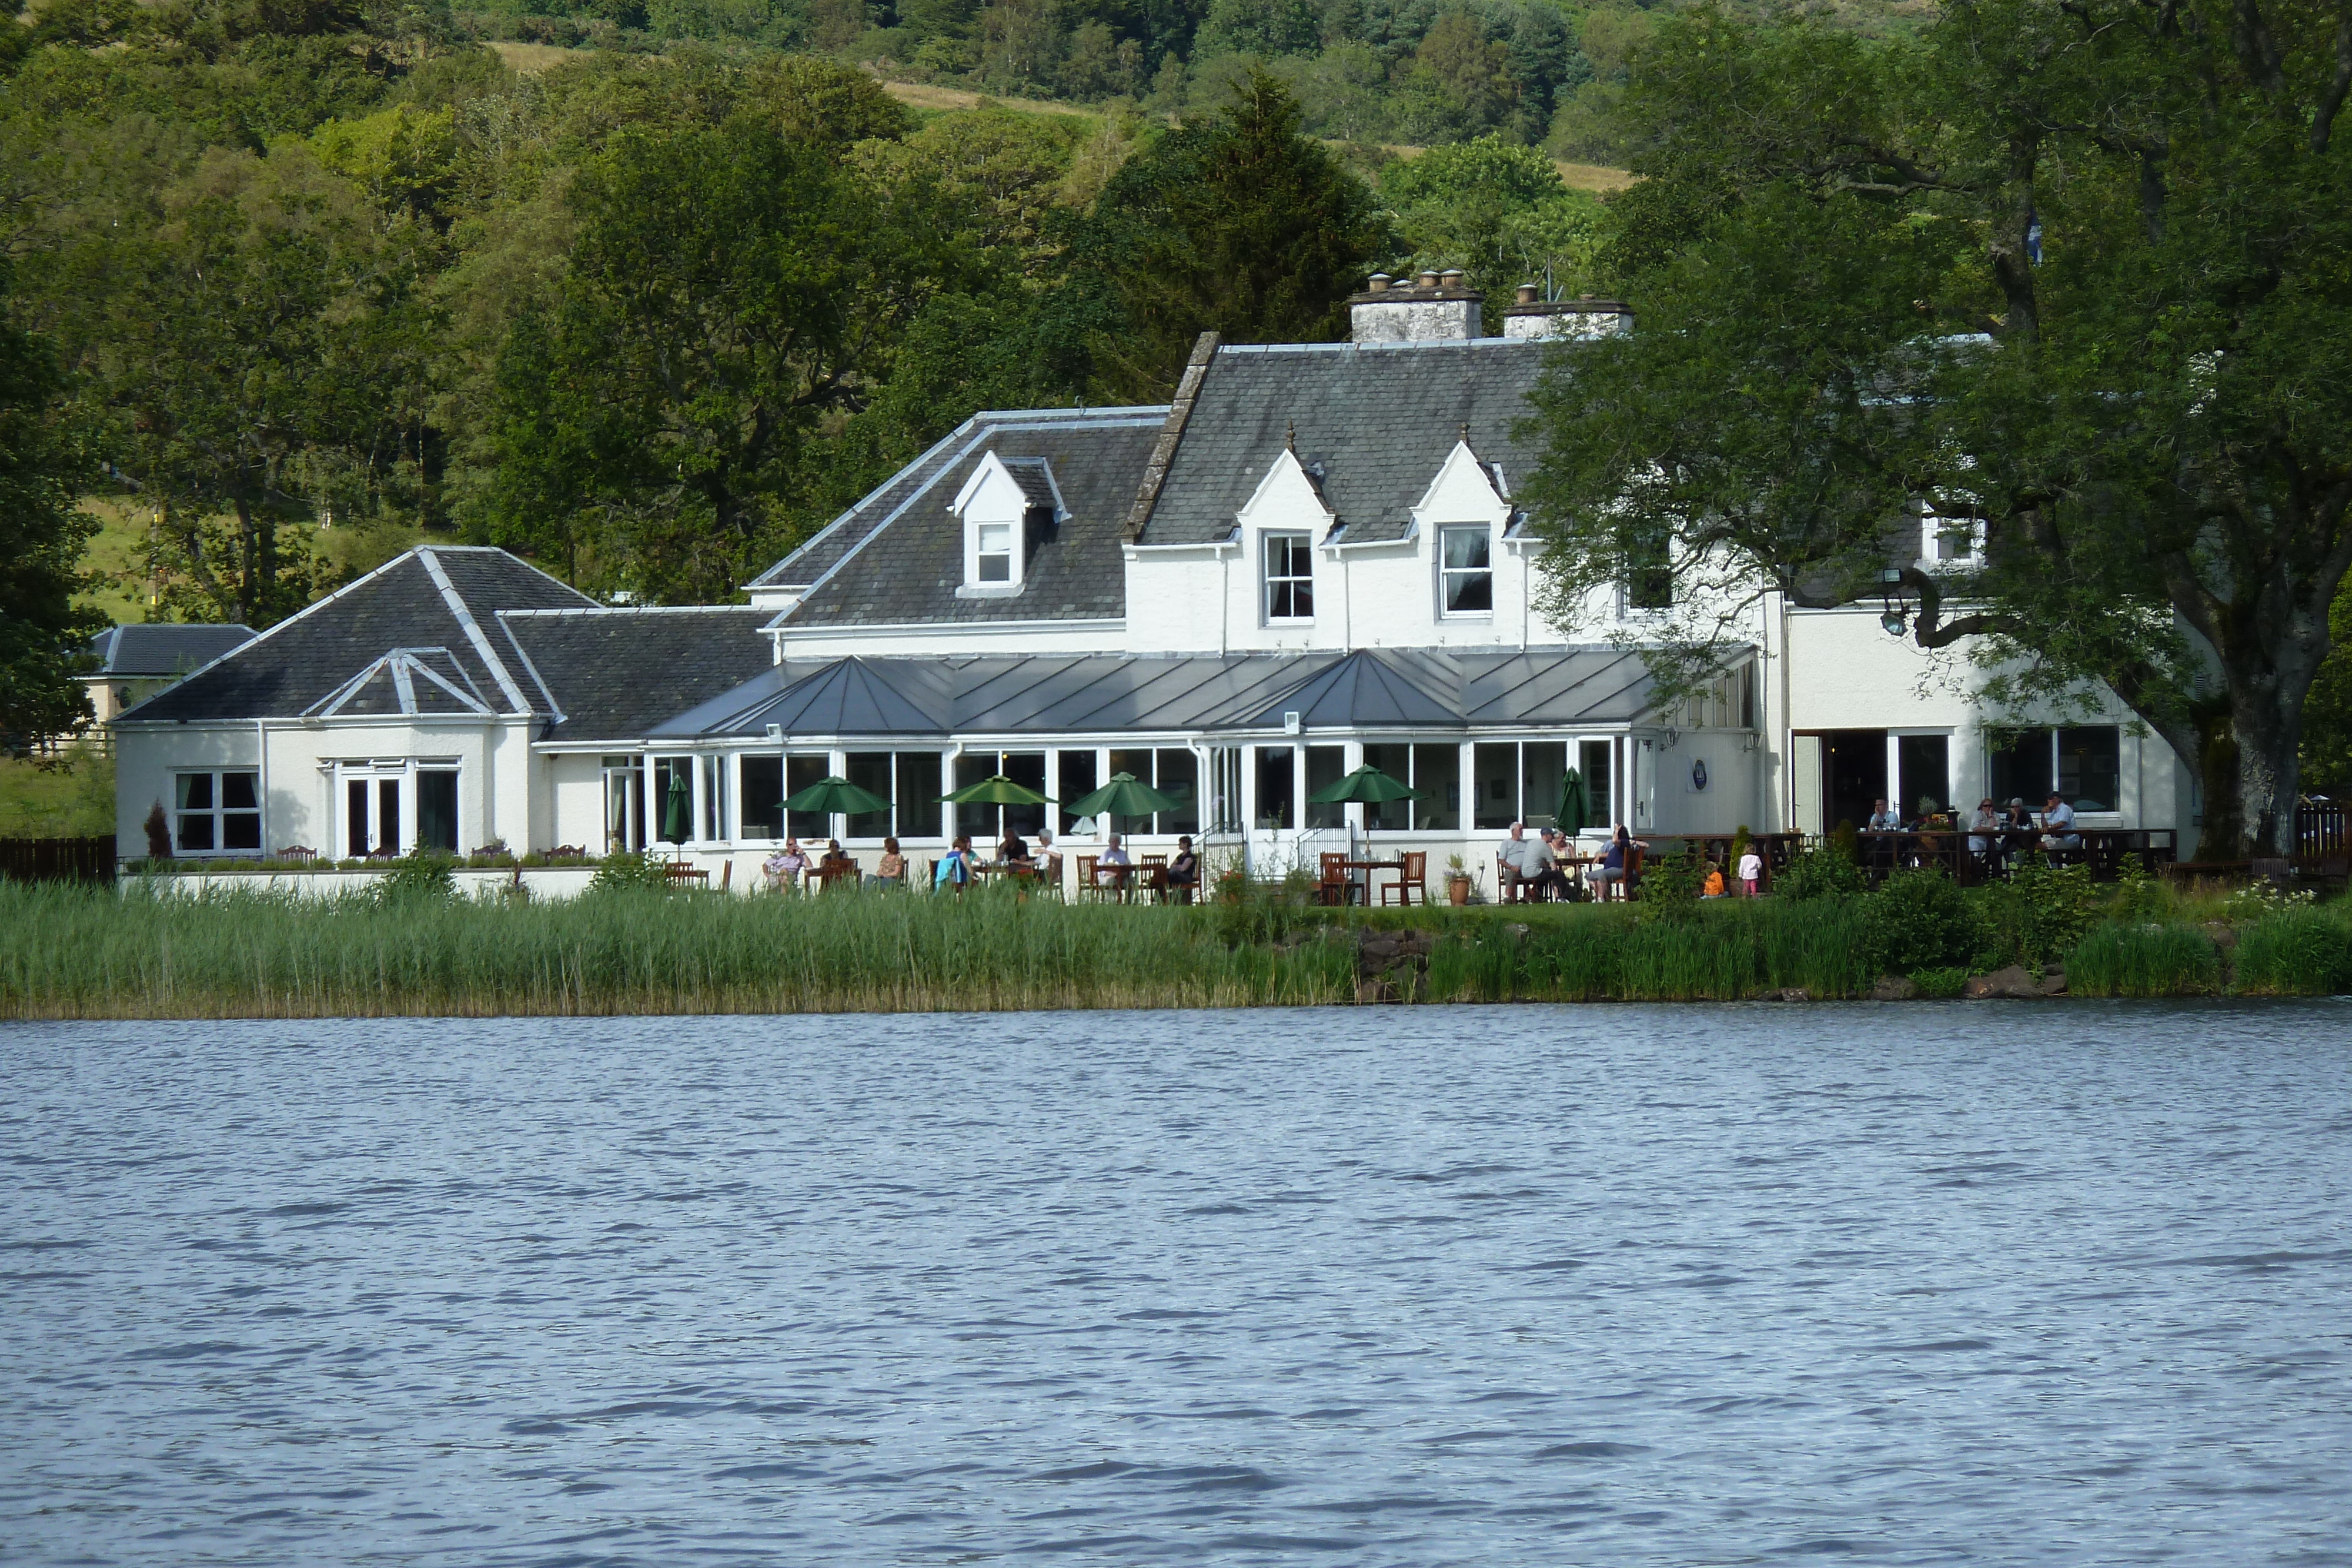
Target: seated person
point(1049, 859)
point(783, 868)
point(1013, 852)
point(890, 870)
point(2020, 820)
point(1545, 878)
point(1514, 861)
point(1985, 830)
point(1883, 819)
point(1112, 867)
point(1183, 869)
point(2058, 834)
point(835, 855)
point(1751, 873)
point(1616, 861)
point(1713, 886)
point(954, 869)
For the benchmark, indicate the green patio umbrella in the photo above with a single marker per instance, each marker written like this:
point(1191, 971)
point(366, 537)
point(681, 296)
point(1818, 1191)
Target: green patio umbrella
point(1125, 795)
point(996, 789)
point(677, 806)
point(1367, 784)
point(1574, 806)
point(832, 793)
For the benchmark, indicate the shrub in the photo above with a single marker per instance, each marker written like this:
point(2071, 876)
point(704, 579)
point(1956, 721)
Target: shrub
point(158, 829)
point(1940, 985)
point(2144, 960)
point(421, 878)
point(1825, 871)
point(1670, 888)
point(2298, 952)
point(627, 871)
point(1920, 920)
point(2038, 915)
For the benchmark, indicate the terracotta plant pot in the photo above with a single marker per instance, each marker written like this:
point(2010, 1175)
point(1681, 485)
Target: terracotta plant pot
point(1457, 890)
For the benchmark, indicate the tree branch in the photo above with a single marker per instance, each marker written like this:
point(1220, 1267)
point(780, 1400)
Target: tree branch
point(2323, 122)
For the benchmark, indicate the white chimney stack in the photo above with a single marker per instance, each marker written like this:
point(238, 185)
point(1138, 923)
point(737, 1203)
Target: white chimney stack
point(1585, 317)
point(1431, 308)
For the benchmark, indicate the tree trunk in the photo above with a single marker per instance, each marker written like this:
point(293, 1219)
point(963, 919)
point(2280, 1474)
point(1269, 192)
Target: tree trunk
point(2248, 754)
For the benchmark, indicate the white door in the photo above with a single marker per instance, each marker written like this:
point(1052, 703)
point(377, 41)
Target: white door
point(1805, 785)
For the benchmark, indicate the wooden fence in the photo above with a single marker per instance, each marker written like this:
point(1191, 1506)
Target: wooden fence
point(2320, 833)
point(57, 859)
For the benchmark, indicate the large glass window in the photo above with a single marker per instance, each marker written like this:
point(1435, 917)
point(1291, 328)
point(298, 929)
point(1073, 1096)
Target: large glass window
point(1276, 788)
point(1326, 766)
point(1543, 769)
point(673, 800)
point(870, 771)
point(2090, 767)
point(1467, 574)
point(800, 772)
point(1495, 772)
point(1595, 763)
point(1922, 767)
point(1177, 774)
point(1436, 771)
point(436, 810)
point(989, 824)
point(919, 788)
point(1648, 566)
point(1289, 577)
point(624, 809)
point(1225, 789)
point(1396, 762)
point(713, 769)
point(763, 797)
point(217, 811)
point(1081, 777)
point(2020, 765)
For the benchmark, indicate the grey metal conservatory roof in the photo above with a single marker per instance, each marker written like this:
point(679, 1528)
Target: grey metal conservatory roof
point(1421, 690)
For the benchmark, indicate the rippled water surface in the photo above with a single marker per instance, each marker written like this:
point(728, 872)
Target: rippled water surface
point(1518, 1286)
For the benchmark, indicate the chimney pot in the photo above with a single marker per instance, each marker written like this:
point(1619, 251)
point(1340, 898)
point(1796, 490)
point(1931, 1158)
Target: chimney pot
point(1380, 282)
point(1526, 293)
point(1451, 277)
point(1427, 280)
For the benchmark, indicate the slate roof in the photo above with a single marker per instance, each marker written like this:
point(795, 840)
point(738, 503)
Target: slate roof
point(163, 650)
point(613, 674)
point(1424, 691)
point(1380, 417)
point(408, 681)
point(437, 597)
point(897, 556)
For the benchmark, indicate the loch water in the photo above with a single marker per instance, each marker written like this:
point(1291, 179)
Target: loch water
point(1916, 1284)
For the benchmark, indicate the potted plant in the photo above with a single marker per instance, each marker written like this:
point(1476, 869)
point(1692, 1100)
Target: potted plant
point(1457, 881)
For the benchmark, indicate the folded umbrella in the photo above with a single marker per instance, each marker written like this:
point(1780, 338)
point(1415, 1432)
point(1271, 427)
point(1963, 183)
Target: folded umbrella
point(1574, 807)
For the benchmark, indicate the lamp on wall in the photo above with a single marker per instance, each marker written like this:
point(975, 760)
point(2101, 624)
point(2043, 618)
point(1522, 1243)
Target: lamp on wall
point(1890, 593)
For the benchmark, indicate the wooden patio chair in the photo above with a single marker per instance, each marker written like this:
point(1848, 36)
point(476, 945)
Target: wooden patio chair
point(1152, 877)
point(1331, 884)
point(1412, 883)
point(1623, 887)
point(1088, 888)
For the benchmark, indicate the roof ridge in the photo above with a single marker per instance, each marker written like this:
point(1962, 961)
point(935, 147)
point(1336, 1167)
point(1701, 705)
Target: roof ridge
point(268, 632)
point(473, 628)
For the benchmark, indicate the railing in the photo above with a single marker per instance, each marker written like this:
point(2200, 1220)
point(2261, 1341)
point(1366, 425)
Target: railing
point(2320, 833)
point(2102, 849)
point(57, 859)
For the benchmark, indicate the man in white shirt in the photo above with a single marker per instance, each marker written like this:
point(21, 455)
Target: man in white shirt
point(2058, 834)
point(1883, 819)
point(1514, 864)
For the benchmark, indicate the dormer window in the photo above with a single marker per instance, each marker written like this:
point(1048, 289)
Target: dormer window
point(1289, 577)
point(1466, 572)
point(1008, 506)
point(992, 548)
point(1950, 542)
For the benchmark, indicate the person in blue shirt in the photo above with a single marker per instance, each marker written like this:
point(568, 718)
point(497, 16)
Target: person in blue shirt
point(1616, 858)
point(954, 869)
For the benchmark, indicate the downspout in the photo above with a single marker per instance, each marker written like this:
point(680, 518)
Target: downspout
point(1788, 729)
point(1225, 601)
point(261, 736)
point(955, 755)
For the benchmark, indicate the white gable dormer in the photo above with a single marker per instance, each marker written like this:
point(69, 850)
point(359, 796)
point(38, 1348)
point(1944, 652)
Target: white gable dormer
point(1462, 515)
point(1281, 523)
point(1004, 509)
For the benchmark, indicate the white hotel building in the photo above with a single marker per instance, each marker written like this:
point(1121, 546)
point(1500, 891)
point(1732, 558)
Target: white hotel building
point(1310, 560)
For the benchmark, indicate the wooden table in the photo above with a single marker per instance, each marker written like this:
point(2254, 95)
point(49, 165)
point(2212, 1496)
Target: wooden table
point(1367, 868)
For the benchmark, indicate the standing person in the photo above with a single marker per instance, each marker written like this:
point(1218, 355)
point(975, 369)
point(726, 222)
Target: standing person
point(1183, 869)
point(1751, 872)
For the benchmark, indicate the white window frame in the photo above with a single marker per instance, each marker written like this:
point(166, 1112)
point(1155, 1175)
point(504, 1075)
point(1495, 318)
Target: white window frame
point(1937, 531)
point(992, 546)
point(216, 814)
point(1289, 539)
point(1447, 573)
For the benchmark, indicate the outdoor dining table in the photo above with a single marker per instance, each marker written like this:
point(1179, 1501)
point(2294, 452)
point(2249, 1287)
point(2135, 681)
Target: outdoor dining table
point(1368, 867)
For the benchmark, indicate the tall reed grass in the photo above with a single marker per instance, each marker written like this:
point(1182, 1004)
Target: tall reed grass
point(72, 952)
point(2145, 960)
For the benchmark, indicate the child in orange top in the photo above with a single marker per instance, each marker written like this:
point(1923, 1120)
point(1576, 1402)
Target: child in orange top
point(1714, 888)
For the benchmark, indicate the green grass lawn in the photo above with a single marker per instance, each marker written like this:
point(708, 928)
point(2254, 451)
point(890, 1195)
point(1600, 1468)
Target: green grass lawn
point(70, 797)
